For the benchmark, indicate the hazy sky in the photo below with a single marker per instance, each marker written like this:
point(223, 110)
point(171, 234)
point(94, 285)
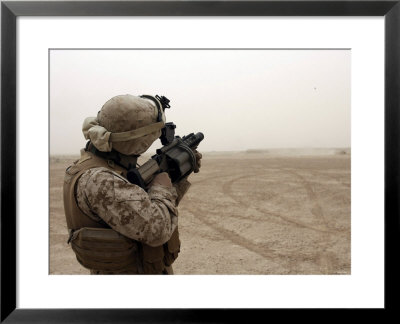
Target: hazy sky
point(239, 99)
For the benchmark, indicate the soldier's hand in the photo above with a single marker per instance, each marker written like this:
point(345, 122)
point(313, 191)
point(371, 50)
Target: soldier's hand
point(162, 179)
point(198, 156)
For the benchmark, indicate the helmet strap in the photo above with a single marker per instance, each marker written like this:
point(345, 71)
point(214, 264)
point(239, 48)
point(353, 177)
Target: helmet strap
point(125, 161)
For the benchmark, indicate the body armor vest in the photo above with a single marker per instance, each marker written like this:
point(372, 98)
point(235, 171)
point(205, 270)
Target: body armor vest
point(98, 247)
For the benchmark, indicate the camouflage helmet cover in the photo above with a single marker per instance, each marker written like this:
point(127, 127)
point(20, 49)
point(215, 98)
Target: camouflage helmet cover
point(126, 113)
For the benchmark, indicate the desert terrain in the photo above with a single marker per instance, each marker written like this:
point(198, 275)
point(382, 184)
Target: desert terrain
point(252, 212)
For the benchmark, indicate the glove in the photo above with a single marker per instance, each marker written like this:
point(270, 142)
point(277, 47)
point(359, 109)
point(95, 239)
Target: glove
point(162, 179)
point(198, 156)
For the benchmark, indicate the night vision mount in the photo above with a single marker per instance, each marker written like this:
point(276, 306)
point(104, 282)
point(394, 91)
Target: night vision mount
point(168, 132)
point(164, 101)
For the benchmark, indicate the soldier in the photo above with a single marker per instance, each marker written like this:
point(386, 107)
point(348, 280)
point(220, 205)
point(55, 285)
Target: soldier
point(117, 227)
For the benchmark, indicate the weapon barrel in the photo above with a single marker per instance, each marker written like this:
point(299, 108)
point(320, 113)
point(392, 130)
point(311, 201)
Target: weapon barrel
point(176, 158)
point(193, 140)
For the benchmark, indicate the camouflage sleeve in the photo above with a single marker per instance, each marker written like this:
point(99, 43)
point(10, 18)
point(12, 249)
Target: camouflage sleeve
point(149, 217)
point(181, 188)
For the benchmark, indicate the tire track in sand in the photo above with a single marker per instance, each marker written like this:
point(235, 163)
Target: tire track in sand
point(227, 189)
point(316, 210)
point(325, 259)
point(287, 260)
point(219, 176)
point(232, 236)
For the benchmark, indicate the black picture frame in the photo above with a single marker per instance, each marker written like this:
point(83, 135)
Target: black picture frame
point(11, 10)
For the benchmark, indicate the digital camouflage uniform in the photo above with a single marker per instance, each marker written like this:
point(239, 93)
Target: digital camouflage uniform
point(117, 227)
point(99, 199)
point(149, 217)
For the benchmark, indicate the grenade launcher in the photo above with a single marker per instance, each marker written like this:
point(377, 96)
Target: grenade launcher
point(176, 157)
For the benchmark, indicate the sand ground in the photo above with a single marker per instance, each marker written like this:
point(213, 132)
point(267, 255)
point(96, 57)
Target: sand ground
point(254, 212)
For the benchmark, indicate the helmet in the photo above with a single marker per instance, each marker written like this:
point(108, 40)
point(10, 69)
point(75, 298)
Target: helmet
point(127, 124)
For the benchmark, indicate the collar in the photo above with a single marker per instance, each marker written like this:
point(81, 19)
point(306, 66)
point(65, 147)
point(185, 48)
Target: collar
point(126, 161)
